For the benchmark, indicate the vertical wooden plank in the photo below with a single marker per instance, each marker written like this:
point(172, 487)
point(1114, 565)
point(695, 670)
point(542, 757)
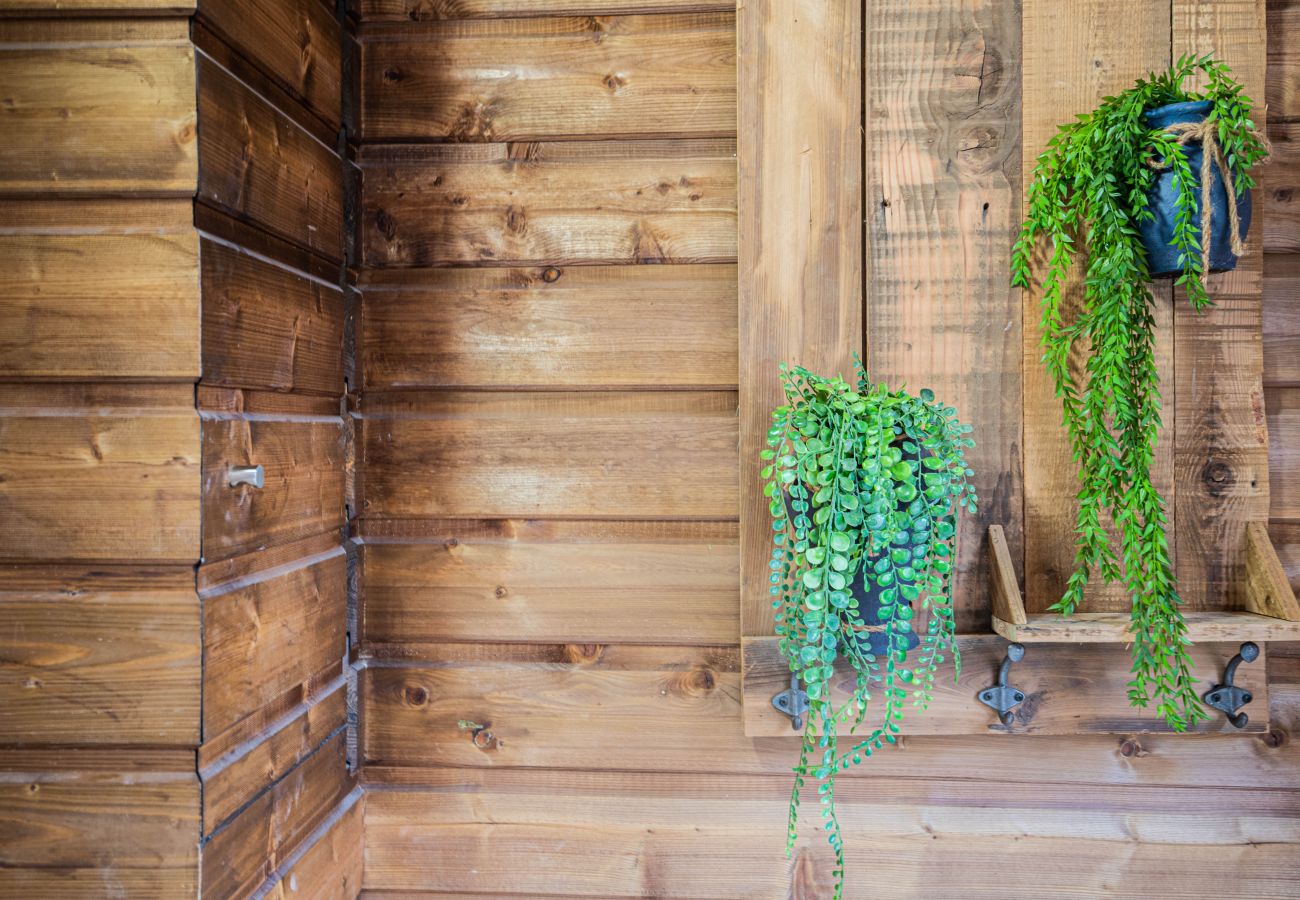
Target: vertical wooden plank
point(800, 242)
point(1075, 53)
point(1221, 464)
point(942, 95)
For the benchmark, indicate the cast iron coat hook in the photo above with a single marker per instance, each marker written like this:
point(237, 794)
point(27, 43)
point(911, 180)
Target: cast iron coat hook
point(1004, 696)
point(1228, 697)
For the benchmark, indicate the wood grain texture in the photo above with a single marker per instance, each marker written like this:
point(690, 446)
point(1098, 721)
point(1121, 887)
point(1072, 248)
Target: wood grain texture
point(433, 10)
point(261, 167)
point(303, 493)
point(535, 78)
point(297, 43)
point(269, 327)
point(1280, 190)
point(1283, 407)
point(328, 865)
point(468, 454)
point(91, 472)
point(800, 199)
point(1066, 72)
point(270, 632)
point(1005, 599)
point(942, 95)
point(72, 309)
point(99, 108)
point(1282, 89)
point(555, 582)
point(99, 656)
point(708, 837)
point(97, 7)
point(1281, 319)
point(580, 326)
point(553, 203)
point(1267, 590)
point(1115, 628)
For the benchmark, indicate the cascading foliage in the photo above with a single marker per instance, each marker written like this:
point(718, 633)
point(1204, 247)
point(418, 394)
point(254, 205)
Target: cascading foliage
point(863, 482)
point(1091, 186)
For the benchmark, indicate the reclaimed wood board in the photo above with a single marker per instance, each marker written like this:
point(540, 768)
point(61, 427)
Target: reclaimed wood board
point(1282, 86)
point(1281, 319)
point(434, 10)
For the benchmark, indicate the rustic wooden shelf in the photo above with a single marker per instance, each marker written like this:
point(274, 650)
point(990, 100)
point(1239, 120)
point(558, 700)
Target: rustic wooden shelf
point(1271, 614)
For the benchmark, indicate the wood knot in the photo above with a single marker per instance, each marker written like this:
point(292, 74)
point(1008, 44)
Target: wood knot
point(582, 654)
point(1129, 748)
point(1218, 477)
point(614, 83)
point(698, 682)
point(393, 74)
point(1274, 738)
point(1283, 195)
point(386, 225)
point(550, 275)
point(501, 591)
point(416, 695)
point(516, 220)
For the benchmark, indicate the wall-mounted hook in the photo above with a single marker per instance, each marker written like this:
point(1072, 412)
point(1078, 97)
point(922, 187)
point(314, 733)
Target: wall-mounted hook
point(1228, 697)
point(1004, 696)
point(793, 703)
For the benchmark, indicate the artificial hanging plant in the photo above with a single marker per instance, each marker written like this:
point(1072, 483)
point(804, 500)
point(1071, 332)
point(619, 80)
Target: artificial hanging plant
point(865, 485)
point(1139, 180)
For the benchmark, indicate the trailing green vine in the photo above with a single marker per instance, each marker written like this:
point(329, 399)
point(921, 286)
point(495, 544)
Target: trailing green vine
point(1090, 187)
point(864, 482)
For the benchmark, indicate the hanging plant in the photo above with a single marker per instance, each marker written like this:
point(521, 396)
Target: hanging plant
point(1140, 180)
point(865, 486)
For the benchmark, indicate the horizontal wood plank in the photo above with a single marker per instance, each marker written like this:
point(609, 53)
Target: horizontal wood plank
point(501, 455)
point(555, 203)
point(579, 326)
point(530, 79)
point(1280, 190)
point(1283, 68)
point(269, 327)
point(1282, 406)
point(97, 7)
point(99, 656)
point(329, 865)
point(433, 10)
point(1115, 628)
point(1281, 315)
point(555, 582)
point(95, 109)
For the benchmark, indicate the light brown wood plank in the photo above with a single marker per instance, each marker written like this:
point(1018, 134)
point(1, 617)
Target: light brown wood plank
point(942, 94)
point(1279, 195)
point(580, 326)
point(98, 7)
point(649, 582)
point(330, 867)
point(1283, 77)
point(1005, 599)
point(1281, 319)
point(800, 200)
point(1283, 407)
point(270, 632)
point(503, 455)
point(433, 10)
point(1267, 590)
point(99, 473)
point(269, 327)
point(578, 201)
point(99, 656)
point(1067, 71)
point(711, 837)
point(1115, 628)
point(106, 296)
point(295, 42)
point(258, 165)
point(303, 492)
point(97, 109)
point(535, 78)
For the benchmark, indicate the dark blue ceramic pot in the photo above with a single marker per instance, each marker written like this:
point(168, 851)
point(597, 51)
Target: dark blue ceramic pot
point(1158, 234)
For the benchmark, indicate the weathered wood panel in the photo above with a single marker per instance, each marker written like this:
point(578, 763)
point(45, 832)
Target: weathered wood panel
point(502, 455)
point(1282, 91)
point(1283, 407)
point(580, 582)
point(329, 865)
point(303, 492)
point(581, 326)
point(554, 203)
point(98, 7)
point(269, 327)
point(534, 78)
point(800, 199)
point(71, 310)
point(97, 107)
point(258, 165)
point(270, 631)
point(99, 656)
point(1280, 190)
point(1281, 319)
point(96, 472)
point(943, 193)
point(432, 10)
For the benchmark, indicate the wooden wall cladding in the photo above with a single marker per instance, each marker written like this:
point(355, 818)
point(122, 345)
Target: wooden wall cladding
point(549, 327)
point(328, 865)
point(528, 79)
point(555, 203)
point(1281, 319)
point(1283, 84)
point(1281, 190)
point(432, 10)
point(106, 107)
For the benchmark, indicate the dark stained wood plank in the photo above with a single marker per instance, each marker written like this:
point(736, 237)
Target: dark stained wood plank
point(1278, 198)
point(433, 10)
point(98, 472)
point(98, 7)
point(537, 78)
point(554, 203)
point(329, 865)
point(556, 581)
point(801, 237)
point(503, 455)
point(73, 309)
point(1283, 407)
point(258, 165)
point(943, 194)
point(1281, 319)
point(97, 107)
point(1283, 77)
point(297, 43)
point(580, 326)
point(269, 632)
point(99, 656)
point(303, 493)
point(269, 327)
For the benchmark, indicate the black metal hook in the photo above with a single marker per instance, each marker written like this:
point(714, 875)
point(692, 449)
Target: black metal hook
point(1228, 697)
point(1004, 696)
point(793, 702)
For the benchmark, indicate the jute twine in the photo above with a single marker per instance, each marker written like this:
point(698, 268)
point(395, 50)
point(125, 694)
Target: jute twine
point(1211, 155)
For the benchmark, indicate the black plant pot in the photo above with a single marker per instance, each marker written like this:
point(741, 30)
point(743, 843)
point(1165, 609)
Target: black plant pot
point(1162, 200)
